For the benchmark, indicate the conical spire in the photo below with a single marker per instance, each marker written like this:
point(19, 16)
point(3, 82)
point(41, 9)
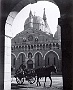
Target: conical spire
point(30, 19)
point(30, 14)
point(44, 15)
point(47, 29)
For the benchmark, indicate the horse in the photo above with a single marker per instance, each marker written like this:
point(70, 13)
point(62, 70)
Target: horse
point(45, 72)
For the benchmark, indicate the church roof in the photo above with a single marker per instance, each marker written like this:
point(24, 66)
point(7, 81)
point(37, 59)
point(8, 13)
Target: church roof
point(37, 22)
point(36, 19)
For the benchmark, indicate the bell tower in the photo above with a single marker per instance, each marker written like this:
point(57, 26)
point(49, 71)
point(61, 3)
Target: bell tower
point(44, 16)
point(47, 29)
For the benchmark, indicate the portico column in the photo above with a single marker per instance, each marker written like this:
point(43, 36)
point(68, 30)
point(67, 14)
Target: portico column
point(7, 64)
point(66, 23)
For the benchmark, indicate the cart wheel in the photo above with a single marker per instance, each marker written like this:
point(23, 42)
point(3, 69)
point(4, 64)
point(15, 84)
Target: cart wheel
point(22, 80)
point(19, 81)
point(32, 80)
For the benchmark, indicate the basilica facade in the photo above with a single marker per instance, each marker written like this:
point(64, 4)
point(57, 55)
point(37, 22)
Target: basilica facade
point(36, 46)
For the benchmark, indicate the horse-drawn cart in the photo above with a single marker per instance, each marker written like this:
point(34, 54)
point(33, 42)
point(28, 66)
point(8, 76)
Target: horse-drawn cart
point(28, 75)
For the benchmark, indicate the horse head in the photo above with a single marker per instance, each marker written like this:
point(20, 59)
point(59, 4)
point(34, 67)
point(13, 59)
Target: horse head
point(54, 69)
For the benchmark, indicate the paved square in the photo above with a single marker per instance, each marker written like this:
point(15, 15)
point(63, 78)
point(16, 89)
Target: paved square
point(57, 84)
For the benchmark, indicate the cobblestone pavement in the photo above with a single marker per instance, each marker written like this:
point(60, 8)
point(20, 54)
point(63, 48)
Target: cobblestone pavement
point(56, 85)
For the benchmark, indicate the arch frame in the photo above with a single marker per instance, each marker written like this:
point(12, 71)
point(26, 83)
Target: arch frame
point(19, 54)
point(13, 54)
point(36, 53)
point(52, 51)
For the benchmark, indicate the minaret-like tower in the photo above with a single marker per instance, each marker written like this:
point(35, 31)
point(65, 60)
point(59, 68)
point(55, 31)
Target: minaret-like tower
point(30, 20)
point(44, 16)
point(47, 29)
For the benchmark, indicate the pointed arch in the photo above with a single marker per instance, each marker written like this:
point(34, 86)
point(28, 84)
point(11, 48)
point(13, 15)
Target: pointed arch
point(20, 59)
point(54, 52)
point(13, 54)
point(19, 54)
point(36, 53)
point(52, 58)
point(38, 59)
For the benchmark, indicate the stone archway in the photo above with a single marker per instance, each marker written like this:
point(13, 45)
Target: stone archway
point(66, 22)
point(38, 60)
point(51, 58)
point(20, 60)
point(30, 64)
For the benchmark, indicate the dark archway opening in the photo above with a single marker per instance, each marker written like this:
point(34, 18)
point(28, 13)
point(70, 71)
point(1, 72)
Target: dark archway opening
point(38, 60)
point(30, 64)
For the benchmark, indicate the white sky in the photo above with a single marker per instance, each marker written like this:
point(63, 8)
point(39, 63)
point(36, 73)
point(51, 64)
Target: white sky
point(51, 10)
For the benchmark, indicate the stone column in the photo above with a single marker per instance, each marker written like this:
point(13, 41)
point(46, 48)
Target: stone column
point(7, 64)
point(66, 23)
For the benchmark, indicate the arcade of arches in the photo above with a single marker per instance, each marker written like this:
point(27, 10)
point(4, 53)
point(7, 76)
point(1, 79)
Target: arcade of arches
point(37, 60)
point(65, 21)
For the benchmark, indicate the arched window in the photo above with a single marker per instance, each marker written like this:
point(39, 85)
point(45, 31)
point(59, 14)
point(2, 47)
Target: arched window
point(31, 46)
point(28, 47)
point(25, 47)
point(21, 58)
point(29, 55)
point(53, 44)
point(22, 46)
point(37, 47)
point(38, 60)
point(40, 46)
point(50, 45)
point(29, 64)
point(43, 46)
point(46, 45)
point(19, 46)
